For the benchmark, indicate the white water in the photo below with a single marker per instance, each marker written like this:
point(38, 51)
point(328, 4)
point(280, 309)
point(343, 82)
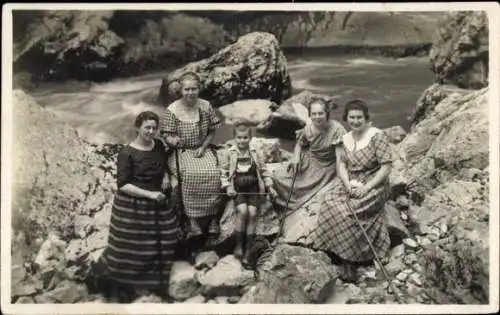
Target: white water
point(104, 112)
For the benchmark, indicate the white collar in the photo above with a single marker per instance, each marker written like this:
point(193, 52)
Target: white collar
point(350, 144)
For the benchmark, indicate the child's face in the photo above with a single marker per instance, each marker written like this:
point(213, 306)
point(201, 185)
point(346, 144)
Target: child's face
point(242, 138)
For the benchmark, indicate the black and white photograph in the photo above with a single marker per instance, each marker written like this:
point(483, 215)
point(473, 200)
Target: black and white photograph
point(293, 158)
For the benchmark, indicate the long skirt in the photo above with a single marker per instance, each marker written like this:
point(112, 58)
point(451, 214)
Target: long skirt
point(338, 231)
point(200, 183)
point(141, 243)
point(314, 175)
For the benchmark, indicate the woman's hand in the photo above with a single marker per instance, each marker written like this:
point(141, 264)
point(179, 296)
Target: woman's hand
point(199, 152)
point(165, 184)
point(173, 141)
point(293, 165)
point(157, 196)
point(231, 192)
point(360, 192)
point(273, 193)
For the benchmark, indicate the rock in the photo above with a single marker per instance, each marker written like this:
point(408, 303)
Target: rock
point(415, 279)
point(52, 248)
point(226, 278)
point(233, 299)
point(402, 203)
point(410, 243)
point(269, 147)
point(182, 283)
point(396, 227)
point(292, 115)
point(423, 241)
point(402, 276)
point(292, 274)
point(410, 259)
point(17, 273)
point(25, 300)
point(404, 216)
point(394, 266)
point(222, 299)
point(52, 183)
point(206, 260)
point(66, 292)
point(250, 111)
point(28, 287)
point(396, 134)
point(149, 298)
point(195, 299)
point(88, 248)
point(397, 251)
point(459, 54)
point(267, 222)
point(371, 274)
point(342, 295)
point(417, 268)
point(83, 225)
point(254, 67)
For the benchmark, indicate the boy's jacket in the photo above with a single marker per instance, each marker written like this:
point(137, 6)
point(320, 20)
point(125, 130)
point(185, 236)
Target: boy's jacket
point(228, 159)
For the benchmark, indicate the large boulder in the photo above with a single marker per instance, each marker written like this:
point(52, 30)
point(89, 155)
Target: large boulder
point(253, 67)
point(251, 112)
point(56, 41)
point(56, 175)
point(291, 274)
point(292, 115)
point(460, 52)
point(451, 138)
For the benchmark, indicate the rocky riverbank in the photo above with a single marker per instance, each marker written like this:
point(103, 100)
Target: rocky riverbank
point(100, 45)
point(437, 216)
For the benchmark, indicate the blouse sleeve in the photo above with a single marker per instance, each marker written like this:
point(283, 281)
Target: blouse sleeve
point(123, 168)
point(383, 150)
point(168, 124)
point(338, 134)
point(214, 120)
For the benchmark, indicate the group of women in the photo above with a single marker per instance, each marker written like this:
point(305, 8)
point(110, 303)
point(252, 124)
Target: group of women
point(144, 227)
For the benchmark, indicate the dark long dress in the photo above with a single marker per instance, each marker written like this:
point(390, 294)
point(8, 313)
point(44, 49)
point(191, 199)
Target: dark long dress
point(142, 232)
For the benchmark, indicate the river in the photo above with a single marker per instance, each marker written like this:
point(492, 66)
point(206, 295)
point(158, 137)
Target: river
point(104, 112)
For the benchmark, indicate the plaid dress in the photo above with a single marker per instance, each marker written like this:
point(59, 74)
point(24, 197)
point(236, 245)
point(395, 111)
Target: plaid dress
point(200, 176)
point(337, 230)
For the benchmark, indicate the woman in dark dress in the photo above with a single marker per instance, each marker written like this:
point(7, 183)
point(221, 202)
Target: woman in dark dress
point(143, 230)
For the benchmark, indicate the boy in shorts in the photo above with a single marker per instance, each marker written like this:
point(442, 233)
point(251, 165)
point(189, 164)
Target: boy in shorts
point(245, 177)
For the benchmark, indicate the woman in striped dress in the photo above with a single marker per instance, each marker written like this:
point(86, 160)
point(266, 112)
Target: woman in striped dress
point(363, 165)
point(143, 230)
point(188, 125)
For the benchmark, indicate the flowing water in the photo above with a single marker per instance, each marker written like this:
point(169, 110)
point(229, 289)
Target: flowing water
point(104, 112)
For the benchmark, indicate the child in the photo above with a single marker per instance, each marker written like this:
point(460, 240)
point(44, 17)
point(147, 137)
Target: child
point(243, 170)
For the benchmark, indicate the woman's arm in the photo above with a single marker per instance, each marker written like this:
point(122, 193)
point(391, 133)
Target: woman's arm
point(379, 177)
point(208, 139)
point(341, 168)
point(135, 191)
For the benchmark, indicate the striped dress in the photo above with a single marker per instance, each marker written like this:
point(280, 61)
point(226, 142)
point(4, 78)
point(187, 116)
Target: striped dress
point(200, 176)
point(337, 230)
point(142, 232)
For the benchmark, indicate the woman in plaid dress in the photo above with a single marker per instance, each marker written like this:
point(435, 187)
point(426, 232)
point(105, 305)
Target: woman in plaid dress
point(189, 125)
point(364, 163)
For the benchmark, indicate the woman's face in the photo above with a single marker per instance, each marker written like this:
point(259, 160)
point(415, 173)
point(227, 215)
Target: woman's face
point(318, 114)
point(356, 120)
point(190, 90)
point(148, 130)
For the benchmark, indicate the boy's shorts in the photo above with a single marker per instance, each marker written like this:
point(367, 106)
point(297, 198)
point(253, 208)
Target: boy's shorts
point(251, 200)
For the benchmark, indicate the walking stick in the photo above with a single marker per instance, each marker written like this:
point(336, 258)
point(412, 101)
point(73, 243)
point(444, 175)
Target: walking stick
point(386, 276)
point(283, 215)
point(158, 243)
point(180, 203)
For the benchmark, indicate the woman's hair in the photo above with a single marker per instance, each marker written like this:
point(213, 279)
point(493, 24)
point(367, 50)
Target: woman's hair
point(356, 105)
point(243, 127)
point(190, 75)
point(322, 103)
point(145, 116)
